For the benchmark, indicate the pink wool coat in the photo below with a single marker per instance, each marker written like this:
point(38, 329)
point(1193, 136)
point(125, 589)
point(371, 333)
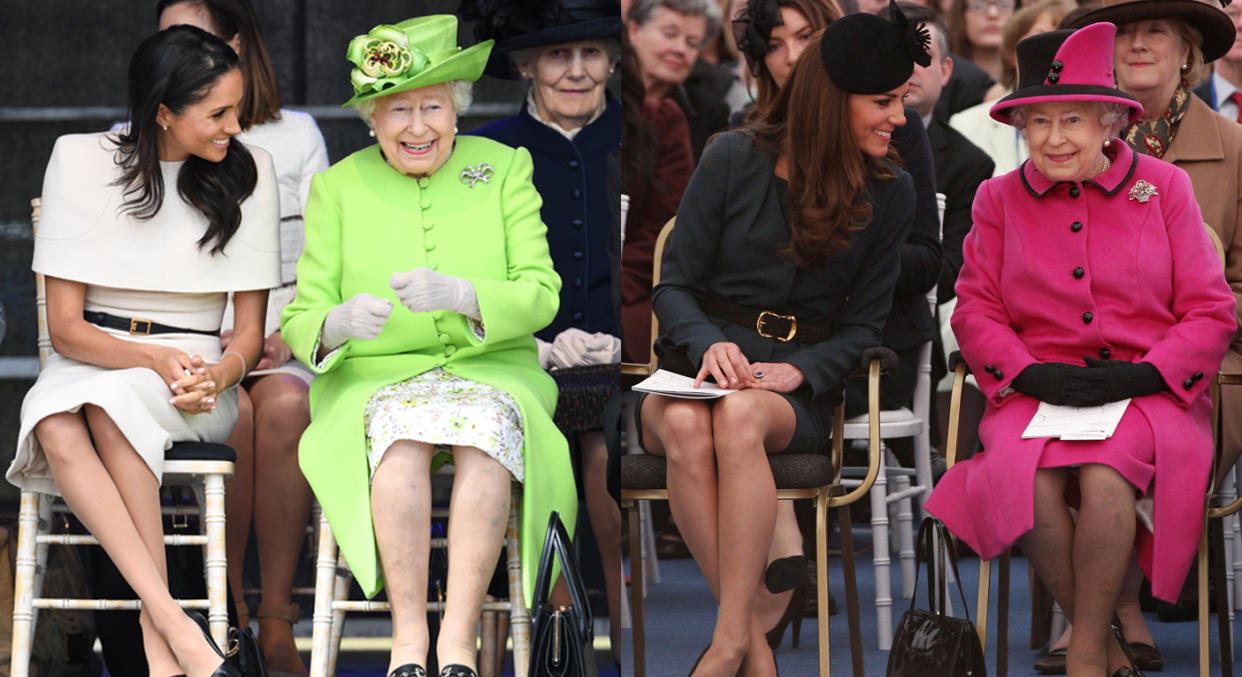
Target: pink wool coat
point(1057, 271)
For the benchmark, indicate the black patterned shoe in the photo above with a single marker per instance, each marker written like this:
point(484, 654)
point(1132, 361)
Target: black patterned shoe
point(457, 670)
point(408, 670)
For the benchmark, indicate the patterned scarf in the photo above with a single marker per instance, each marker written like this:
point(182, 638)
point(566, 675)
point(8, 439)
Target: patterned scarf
point(1153, 137)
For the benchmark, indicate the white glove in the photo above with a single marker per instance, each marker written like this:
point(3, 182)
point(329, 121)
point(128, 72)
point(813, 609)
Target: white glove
point(545, 350)
point(423, 290)
point(361, 317)
point(576, 348)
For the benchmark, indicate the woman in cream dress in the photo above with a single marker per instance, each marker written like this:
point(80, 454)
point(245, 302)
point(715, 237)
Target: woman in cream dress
point(143, 234)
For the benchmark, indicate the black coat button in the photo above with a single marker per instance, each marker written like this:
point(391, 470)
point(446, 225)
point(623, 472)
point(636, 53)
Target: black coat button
point(1057, 66)
point(1074, 191)
point(578, 316)
point(1079, 272)
point(1104, 353)
point(578, 255)
point(577, 283)
point(1188, 383)
point(1197, 375)
point(1053, 77)
point(996, 374)
point(573, 164)
point(1076, 226)
point(989, 369)
point(576, 223)
point(1087, 317)
point(577, 193)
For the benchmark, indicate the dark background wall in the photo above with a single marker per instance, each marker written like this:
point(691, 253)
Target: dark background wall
point(64, 72)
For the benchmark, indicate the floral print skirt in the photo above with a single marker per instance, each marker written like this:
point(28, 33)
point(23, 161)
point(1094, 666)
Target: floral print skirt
point(445, 410)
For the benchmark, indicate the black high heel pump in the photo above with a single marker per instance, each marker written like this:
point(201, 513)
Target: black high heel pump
point(782, 575)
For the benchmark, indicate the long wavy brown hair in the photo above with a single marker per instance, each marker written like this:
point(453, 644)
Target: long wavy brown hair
point(809, 126)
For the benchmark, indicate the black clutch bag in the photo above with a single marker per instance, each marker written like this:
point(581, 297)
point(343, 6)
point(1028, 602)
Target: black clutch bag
point(929, 642)
point(562, 639)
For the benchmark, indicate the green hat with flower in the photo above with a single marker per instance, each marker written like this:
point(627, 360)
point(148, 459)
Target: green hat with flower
point(414, 53)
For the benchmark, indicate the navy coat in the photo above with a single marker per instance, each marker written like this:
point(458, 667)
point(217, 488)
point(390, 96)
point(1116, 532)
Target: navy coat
point(572, 178)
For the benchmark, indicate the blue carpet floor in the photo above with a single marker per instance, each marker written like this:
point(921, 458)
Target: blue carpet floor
point(680, 614)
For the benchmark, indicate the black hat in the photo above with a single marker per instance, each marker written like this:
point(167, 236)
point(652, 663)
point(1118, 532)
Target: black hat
point(865, 54)
point(521, 24)
point(1214, 25)
point(752, 28)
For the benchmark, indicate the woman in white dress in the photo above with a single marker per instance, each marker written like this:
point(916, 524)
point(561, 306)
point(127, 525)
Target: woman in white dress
point(143, 234)
point(267, 488)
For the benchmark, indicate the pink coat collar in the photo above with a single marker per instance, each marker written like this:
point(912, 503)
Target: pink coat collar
point(1109, 182)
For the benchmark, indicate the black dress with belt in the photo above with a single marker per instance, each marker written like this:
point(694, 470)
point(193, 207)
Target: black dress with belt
point(731, 227)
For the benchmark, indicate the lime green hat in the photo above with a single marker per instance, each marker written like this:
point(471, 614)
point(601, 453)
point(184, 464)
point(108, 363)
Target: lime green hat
point(414, 53)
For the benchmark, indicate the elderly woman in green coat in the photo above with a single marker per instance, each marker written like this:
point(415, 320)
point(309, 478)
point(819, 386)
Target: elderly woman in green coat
point(425, 273)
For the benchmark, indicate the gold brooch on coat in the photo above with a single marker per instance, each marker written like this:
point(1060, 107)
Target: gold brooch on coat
point(483, 172)
point(1142, 191)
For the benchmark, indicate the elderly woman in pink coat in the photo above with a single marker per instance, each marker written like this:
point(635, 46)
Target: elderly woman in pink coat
point(1089, 278)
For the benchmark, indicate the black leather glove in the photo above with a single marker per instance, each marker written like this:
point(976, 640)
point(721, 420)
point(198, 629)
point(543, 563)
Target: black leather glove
point(1127, 379)
point(1061, 383)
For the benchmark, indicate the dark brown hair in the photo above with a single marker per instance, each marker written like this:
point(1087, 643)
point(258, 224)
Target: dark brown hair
point(818, 14)
point(959, 43)
point(229, 18)
point(809, 125)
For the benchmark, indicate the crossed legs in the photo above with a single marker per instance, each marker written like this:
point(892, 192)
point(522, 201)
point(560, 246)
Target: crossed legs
point(401, 512)
point(115, 496)
point(723, 498)
point(1083, 563)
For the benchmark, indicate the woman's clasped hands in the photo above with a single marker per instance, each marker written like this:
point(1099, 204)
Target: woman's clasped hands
point(192, 382)
point(725, 362)
point(420, 290)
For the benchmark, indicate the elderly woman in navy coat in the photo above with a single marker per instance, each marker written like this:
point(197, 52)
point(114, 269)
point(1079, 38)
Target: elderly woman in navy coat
point(566, 50)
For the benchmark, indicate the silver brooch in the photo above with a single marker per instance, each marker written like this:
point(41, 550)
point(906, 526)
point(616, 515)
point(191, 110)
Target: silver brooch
point(472, 175)
point(1142, 191)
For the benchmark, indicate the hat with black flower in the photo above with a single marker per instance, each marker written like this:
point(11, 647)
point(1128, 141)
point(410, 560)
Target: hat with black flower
point(521, 24)
point(414, 53)
point(752, 27)
point(865, 54)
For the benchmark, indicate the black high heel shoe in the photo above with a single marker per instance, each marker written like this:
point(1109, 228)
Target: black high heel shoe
point(1133, 669)
point(793, 615)
point(226, 669)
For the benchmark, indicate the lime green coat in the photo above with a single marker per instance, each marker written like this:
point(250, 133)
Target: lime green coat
point(365, 221)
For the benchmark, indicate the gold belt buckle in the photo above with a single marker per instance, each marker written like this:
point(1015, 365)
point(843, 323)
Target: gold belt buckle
point(793, 326)
point(133, 327)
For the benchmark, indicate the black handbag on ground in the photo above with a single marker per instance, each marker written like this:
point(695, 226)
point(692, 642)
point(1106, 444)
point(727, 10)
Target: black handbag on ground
point(562, 639)
point(243, 653)
point(929, 642)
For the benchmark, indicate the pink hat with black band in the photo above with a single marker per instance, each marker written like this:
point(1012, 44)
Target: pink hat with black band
point(1067, 65)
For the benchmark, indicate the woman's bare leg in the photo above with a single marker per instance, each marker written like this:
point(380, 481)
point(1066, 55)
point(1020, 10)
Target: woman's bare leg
point(1103, 539)
point(93, 495)
point(282, 506)
point(745, 425)
point(401, 512)
point(239, 501)
point(478, 516)
point(605, 519)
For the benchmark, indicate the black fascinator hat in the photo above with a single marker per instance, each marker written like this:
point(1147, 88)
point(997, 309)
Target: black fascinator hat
point(865, 54)
point(522, 24)
point(752, 28)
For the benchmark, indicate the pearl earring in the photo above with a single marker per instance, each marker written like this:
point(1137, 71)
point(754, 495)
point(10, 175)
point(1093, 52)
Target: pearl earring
point(454, 129)
point(1107, 142)
point(165, 127)
point(1185, 67)
point(371, 133)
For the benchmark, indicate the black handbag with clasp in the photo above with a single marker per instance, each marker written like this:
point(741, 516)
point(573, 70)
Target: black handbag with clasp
point(562, 639)
point(929, 642)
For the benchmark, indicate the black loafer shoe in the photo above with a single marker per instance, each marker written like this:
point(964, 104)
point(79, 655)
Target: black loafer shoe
point(408, 670)
point(1051, 663)
point(457, 670)
point(1147, 657)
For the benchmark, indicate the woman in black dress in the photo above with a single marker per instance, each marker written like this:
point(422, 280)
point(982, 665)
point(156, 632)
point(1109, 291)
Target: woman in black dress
point(813, 215)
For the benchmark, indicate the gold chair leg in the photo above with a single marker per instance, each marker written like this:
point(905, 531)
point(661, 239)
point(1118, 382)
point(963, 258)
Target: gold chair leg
point(217, 560)
point(519, 607)
point(821, 579)
point(1205, 659)
point(636, 591)
point(1002, 616)
point(1216, 565)
point(24, 590)
point(851, 588)
point(981, 607)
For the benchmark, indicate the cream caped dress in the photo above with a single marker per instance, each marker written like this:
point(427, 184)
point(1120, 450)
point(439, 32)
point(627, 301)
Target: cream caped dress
point(150, 269)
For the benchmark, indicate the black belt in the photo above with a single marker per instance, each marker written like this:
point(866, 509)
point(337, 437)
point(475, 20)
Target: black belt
point(767, 323)
point(138, 326)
